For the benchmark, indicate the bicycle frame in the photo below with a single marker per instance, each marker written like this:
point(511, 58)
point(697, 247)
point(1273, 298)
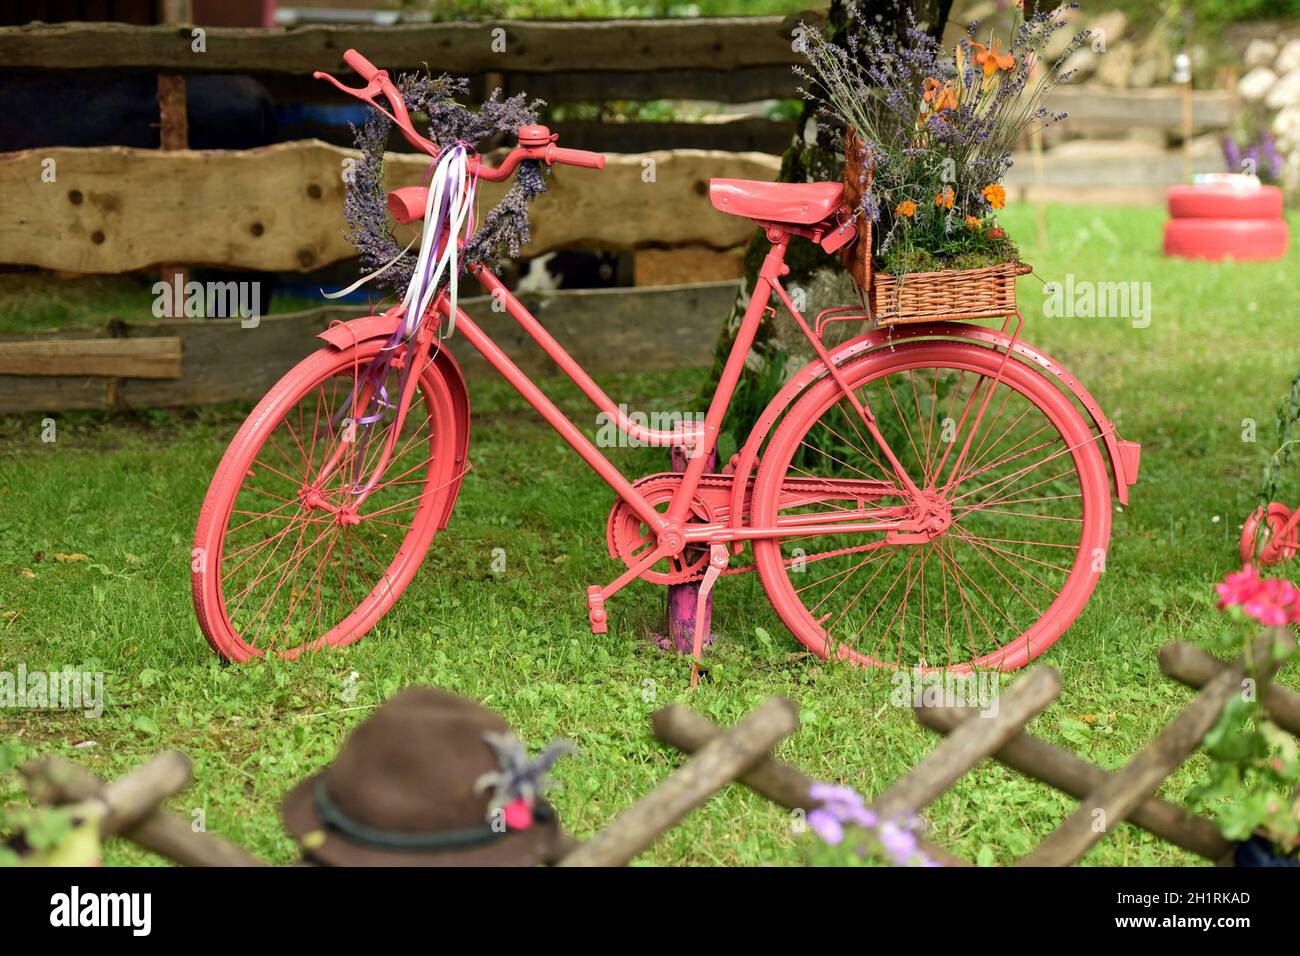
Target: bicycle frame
point(700, 441)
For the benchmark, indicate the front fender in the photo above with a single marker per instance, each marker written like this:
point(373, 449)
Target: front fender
point(1123, 455)
point(343, 335)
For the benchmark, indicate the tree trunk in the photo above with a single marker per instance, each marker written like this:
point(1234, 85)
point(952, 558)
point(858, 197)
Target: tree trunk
point(816, 280)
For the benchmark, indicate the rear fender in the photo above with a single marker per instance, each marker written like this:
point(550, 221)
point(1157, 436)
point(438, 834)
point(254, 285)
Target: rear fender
point(343, 335)
point(1123, 455)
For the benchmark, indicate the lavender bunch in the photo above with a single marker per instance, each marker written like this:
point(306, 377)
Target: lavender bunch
point(938, 128)
point(855, 832)
point(504, 229)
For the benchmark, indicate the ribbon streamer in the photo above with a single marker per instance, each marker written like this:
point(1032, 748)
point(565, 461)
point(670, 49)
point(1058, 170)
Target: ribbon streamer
point(448, 211)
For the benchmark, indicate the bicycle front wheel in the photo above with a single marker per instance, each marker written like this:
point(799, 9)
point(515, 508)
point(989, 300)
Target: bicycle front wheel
point(304, 541)
point(1010, 474)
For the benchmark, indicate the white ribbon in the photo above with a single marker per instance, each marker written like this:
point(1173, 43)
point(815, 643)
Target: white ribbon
point(452, 179)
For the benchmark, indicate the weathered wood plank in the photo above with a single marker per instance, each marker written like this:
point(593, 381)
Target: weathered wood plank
point(1106, 173)
point(1094, 108)
point(538, 46)
point(738, 85)
point(280, 208)
point(745, 134)
point(712, 767)
point(604, 329)
point(121, 358)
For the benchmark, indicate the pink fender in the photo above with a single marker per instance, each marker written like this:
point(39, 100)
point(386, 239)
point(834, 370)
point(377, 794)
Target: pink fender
point(342, 335)
point(1124, 455)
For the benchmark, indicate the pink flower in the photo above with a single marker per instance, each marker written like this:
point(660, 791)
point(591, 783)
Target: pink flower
point(1271, 601)
point(1237, 587)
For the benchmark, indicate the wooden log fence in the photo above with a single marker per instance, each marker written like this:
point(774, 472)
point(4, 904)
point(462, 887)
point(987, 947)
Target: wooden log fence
point(279, 208)
point(1106, 798)
point(192, 362)
point(720, 761)
point(720, 756)
point(133, 807)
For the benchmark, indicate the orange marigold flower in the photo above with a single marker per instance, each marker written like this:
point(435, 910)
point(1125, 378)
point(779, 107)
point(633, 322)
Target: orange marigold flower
point(972, 223)
point(945, 197)
point(997, 233)
point(995, 194)
point(905, 208)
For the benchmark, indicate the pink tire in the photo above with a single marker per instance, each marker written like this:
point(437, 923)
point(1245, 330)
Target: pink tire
point(1216, 239)
point(1220, 202)
point(1029, 513)
point(274, 570)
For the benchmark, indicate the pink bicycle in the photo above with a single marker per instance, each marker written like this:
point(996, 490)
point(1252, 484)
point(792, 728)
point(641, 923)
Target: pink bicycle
point(931, 495)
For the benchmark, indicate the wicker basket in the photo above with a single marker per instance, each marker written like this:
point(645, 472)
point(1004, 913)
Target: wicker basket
point(949, 295)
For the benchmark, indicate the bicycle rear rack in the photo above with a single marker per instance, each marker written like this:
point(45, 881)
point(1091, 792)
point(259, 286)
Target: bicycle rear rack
point(841, 313)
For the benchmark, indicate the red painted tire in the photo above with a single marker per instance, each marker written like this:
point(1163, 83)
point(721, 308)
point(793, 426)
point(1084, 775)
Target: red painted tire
point(251, 596)
point(987, 619)
point(1217, 239)
point(1219, 202)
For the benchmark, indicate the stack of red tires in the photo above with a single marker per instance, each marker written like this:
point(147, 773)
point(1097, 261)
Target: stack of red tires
point(1225, 221)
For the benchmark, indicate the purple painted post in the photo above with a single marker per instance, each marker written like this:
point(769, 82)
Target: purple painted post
point(682, 598)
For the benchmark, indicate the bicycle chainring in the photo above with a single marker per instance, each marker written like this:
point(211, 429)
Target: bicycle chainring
point(629, 539)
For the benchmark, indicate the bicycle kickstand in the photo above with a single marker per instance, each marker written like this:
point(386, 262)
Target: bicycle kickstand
point(719, 558)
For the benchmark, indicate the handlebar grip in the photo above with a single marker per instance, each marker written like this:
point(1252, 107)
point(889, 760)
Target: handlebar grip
point(577, 157)
point(363, 67)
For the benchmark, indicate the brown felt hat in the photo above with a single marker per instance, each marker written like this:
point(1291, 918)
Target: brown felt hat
point(402, 792)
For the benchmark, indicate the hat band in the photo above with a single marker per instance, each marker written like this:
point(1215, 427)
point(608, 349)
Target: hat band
point(333, 816)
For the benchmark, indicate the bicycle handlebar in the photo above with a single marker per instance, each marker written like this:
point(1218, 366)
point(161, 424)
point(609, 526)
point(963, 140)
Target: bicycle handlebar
point(363, 67)
point(535, 142)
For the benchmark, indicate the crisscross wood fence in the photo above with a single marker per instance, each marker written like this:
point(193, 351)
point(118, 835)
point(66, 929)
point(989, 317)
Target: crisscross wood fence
point(741, 754)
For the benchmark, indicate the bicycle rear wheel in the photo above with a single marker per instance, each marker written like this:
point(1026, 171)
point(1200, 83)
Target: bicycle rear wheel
point(1024, 526)
point(291, 556)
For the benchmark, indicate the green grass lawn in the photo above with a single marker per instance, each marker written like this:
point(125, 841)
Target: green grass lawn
point(1222, 346)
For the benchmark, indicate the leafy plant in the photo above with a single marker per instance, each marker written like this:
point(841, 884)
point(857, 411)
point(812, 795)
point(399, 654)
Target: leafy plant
point(1254, 775)
point(1288, 436)
point(934, 130)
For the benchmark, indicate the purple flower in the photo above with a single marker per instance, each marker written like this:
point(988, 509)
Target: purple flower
point(827, 826)
point(898, 842)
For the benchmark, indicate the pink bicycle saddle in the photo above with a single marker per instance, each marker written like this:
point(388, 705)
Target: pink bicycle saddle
point(799, 203)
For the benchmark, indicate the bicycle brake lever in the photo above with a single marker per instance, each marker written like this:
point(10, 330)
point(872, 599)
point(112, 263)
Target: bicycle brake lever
point(366, 92)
